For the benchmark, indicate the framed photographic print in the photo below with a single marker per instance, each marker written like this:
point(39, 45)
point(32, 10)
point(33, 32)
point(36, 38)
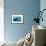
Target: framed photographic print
point(17, 18)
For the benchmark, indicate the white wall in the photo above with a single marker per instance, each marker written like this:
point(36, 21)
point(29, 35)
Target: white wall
point(1, 25)
point(1, 20)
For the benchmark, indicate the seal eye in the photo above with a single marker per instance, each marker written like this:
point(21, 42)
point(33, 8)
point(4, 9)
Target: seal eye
point(28, 39)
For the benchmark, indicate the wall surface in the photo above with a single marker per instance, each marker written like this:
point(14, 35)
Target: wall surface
point(13, 32)
point(43, 6)
point(1, 3)
point(1, 20)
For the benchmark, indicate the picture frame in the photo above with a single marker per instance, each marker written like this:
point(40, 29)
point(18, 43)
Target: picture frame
point(17, 19)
